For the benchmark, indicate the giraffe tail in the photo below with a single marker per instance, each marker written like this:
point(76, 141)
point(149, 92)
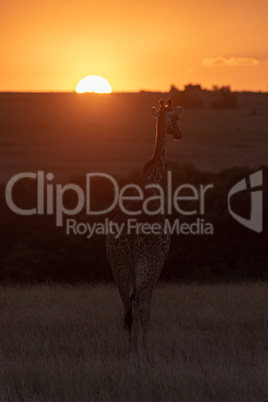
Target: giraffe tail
point(128, 315)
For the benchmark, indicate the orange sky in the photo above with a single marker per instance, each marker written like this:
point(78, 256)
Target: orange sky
point(50, 45)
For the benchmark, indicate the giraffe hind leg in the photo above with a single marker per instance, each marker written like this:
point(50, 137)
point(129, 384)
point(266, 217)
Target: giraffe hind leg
point(145, 317)
point(123, 278)
point(128, 314)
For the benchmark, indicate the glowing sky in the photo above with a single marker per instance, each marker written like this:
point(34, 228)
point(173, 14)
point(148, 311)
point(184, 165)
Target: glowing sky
point(51, 45)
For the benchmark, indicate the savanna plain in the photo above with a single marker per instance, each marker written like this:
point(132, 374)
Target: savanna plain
point(72, 134)
point(67, 343)
point(61, 342)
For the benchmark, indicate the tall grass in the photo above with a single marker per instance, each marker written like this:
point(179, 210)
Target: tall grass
point(67, 343)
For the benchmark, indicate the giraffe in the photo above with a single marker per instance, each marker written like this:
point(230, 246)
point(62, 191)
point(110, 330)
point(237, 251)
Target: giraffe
point(137, 259)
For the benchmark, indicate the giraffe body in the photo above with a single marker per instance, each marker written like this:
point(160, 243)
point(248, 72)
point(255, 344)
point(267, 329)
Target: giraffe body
point(137, 259)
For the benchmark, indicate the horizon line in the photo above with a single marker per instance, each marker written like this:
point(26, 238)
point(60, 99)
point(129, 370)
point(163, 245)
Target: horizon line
point(123, 92)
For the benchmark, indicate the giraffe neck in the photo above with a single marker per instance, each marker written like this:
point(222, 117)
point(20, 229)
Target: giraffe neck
point(158, 158)
point(153, 170)
point(160, 141)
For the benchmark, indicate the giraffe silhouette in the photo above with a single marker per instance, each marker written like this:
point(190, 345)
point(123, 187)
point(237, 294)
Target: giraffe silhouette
point(136, 258)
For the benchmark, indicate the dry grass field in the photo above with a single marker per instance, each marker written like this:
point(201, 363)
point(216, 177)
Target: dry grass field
point(66, 343)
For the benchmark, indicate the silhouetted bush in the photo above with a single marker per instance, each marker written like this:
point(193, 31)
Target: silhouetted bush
point(191, 96)
point(224, 98)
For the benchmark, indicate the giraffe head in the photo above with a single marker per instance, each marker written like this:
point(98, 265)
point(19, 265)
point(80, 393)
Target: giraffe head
point(169, 116)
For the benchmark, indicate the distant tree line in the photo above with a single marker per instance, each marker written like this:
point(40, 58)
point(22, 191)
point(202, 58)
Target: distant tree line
point(33, 249)
point(193, 96)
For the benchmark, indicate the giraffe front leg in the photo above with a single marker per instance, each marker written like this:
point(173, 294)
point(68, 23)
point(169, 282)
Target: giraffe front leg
point(144, 322)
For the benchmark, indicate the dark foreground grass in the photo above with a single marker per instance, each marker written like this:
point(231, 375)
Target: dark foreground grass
point(64, 343)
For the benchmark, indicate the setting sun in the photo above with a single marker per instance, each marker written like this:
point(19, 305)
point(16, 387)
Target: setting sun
point(94, 83)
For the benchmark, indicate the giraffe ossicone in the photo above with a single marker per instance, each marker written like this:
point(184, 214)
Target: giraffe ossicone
point(137, 259)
